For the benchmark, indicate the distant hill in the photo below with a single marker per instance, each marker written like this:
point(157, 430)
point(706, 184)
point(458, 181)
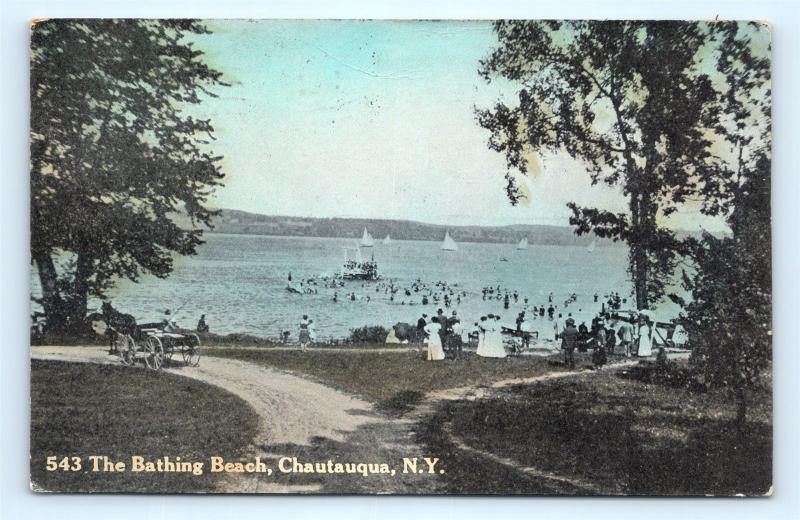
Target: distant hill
point(244, 223)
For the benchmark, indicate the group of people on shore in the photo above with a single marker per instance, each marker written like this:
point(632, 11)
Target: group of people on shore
point(634, 337)
point(609, 334)
point(444, 335)
point(441, 331)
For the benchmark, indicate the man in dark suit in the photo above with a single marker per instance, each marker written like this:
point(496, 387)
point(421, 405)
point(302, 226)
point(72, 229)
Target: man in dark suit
point(569, 340)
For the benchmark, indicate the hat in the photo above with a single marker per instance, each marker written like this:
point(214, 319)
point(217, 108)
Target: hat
point(424, 315)
point(570, 321)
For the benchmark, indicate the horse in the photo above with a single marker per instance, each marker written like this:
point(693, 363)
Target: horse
point(116, 323)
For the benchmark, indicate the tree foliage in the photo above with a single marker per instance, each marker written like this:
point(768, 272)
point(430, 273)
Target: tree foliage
point(627, 100)
point(114, 154)
point(729, 314)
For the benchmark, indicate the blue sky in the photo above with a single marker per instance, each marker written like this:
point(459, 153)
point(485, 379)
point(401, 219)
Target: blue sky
point(373, 119)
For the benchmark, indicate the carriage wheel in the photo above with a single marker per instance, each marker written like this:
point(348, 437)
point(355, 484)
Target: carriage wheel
point(191, 355)
point(154, 353)
point(191, 350)
point(127, 349)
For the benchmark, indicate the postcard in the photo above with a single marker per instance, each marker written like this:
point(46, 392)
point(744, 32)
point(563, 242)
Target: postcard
point(433, 257)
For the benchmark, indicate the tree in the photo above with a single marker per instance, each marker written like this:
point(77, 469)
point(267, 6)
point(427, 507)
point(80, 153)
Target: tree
point(729, 314)
point(114, 155)
point(676, 134)
point(626, 99)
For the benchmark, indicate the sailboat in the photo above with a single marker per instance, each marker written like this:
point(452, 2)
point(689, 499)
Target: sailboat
point(590, 249)
point(523, 244)
point(387, 240)
point(366, 239)
point(449, 244)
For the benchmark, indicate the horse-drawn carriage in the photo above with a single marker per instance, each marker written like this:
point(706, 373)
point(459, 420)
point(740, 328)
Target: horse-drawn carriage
point(156, 346)
point(153, 343)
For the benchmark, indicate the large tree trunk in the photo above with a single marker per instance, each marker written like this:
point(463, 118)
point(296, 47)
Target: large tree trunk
point(80, 289)
point(638, 254)
point(51, 302)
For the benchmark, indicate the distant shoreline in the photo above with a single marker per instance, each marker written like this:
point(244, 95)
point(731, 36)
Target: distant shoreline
point(237, 222)
point(378, 245)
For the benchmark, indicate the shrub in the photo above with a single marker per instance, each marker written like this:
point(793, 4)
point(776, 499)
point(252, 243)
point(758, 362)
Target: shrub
point(374, 334)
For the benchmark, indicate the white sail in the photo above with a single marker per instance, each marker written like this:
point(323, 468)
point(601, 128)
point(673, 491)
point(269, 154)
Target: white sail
point(591, 247)
point(523, 244)
point(449, 244)
point(387, 240)
point(366, 239)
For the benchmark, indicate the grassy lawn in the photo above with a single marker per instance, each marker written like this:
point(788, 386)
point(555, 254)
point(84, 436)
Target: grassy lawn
point(84, 409)
point(619, 433)
point(396, 380)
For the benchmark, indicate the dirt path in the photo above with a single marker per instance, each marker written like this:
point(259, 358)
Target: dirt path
point(298, 418)
point(314, 422)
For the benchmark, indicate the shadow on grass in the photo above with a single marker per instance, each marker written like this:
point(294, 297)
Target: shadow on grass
point(624, 437)
point(390, 442)
point(671, 375)
point(401, 402)
point(82, 409)
point(369, 445)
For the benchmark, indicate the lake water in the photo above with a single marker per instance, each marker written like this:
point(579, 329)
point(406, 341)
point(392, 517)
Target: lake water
point(239, 283)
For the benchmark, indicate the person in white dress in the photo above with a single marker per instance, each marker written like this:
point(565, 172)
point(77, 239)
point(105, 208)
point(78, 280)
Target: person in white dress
point(645, 338)
point(493, 339)
point(435, 350)
point(482, 328)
